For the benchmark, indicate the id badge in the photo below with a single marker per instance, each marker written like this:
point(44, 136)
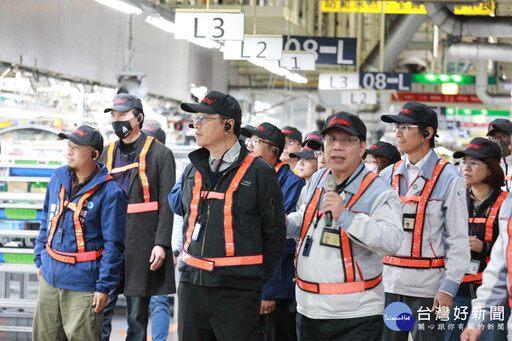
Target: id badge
point(473, 267)
point(307, 246)
point(408, 221)
point(197, 230)
point(330, 237)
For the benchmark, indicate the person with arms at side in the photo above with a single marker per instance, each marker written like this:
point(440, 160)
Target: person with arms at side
point(426, 272)
point(482, 172)
point(145, 170)
point(234, 228)
point(380, 155)
point(500, 131)
point(79, 249)
point(343, 235)
point(278, 294)
point(293, 140)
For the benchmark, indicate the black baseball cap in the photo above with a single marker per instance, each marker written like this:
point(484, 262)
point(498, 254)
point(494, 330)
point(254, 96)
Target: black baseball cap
point(124, 102)
point(305, 153)
point(351, 123)
point(499, 124)
point(292, 133)
point(313, 140)
point(85, 136)
point(480, 148)
point(414, 112)
point(386, 150)
point(216, 102)
point(153, 129)
point(267, 131)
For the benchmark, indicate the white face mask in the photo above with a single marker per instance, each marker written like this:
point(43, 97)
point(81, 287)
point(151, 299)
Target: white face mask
point(372, 167)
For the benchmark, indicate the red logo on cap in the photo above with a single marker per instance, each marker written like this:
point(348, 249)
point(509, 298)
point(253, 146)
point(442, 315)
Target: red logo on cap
point(260, 128)
point(472, 145)
point(209, 101)
point(287, 131)
point(118, 100)
point(148, 129)
point(307, 148)
point(375, 146)
point(407, 111)
point(314, 137)
point(335, 120)
point(79, 132)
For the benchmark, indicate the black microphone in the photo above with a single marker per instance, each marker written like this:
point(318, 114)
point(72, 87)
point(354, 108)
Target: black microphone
point(331, 182)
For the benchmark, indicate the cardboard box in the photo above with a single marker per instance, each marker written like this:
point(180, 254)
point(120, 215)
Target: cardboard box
point(17, 186)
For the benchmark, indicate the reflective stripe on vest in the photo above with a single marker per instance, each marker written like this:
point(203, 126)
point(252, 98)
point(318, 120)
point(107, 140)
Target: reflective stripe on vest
point(350, 285)
point(147, 205)
point(489, 223)
point(278, 166)
point(509, 261)
point(415, 260)
point(208, 264)
point(81, 255)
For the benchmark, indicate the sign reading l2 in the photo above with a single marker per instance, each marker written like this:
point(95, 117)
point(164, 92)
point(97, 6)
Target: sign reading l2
point(333, 51)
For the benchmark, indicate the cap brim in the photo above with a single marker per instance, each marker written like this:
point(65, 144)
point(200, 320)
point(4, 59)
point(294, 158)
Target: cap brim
point(304, 154)
point(196, 107)
point(73, 139)
point(120, 108)
point(397, 119)
point(347, 129)
point(473, 153)
point(247, 132)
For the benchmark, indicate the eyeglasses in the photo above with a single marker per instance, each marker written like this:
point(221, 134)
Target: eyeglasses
point(495, 138)
point(256, 141)
point(344, 141)
point(291, 142)
point(471, 163)
point(403, 127)
point(318, 154)
point(203, 119)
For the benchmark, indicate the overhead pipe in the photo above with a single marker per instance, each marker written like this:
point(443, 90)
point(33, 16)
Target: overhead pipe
point(470, 26)
point(481, 87)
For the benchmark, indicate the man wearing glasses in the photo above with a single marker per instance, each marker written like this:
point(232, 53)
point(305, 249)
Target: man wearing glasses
point(234, 227)
point(278, 293)
point(343, 235)
point(426, 272)
point(499, 131)
point(292, 144)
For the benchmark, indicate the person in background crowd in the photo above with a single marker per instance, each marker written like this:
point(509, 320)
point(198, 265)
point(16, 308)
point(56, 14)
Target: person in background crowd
point(308, 164)
point(311, 145)
point(293, 139)
point(159, 305)
point(234, 228)
point(426, 272)
point(500, 131)
point(484, 177)
point(343, 235)
point(380, 155)
point(278, 294)
point(145, 170)
point(79, 249)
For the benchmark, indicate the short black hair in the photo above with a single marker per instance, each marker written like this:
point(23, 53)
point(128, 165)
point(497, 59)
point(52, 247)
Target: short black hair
point(136, 112)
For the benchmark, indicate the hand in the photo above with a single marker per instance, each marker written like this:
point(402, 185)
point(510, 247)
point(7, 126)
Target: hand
point(39, 274)
point(267, 307)
point(286, 220)
point(333, 203)
point(475, 244)
point(99, 301)
point(442, 299)
point(471, 333)
point(157, 258)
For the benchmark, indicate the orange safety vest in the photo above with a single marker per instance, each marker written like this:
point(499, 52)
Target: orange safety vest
point(350, 286)
point(416, 260)
point(489, 223)
point(209, 264)
point(147, 205)
point(278, 166)
point(509, 262)
point(81, 255)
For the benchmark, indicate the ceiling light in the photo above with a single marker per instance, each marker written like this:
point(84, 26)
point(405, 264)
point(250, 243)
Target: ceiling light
point(122, 6)
point(449, 88)
point(163, 24)
point(209, 44)
point(297, 78)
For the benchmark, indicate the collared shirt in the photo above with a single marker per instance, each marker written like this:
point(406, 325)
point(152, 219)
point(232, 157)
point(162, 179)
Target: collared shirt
point(76, 187)
point(413, 170)
point(227, 160)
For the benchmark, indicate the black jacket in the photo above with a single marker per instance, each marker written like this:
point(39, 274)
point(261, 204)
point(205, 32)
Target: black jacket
point(258, 223)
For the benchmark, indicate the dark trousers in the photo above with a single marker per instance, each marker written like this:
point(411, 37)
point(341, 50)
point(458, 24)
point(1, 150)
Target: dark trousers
point(137, 311)
point(109, 313)
point(279, 325)
point(223, 314)
point(366, 328)
point(428, 329)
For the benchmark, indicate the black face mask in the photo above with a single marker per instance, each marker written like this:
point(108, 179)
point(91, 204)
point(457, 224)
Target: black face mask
point(122, 128)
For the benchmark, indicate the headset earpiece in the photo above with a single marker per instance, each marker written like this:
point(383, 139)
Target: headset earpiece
point(275, 151)
point(425, 133)
point(139, 118)
point(94, 154)
point(227, 127)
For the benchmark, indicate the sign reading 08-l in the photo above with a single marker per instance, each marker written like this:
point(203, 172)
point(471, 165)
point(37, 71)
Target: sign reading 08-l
point(209, 25)
point(335, 51)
